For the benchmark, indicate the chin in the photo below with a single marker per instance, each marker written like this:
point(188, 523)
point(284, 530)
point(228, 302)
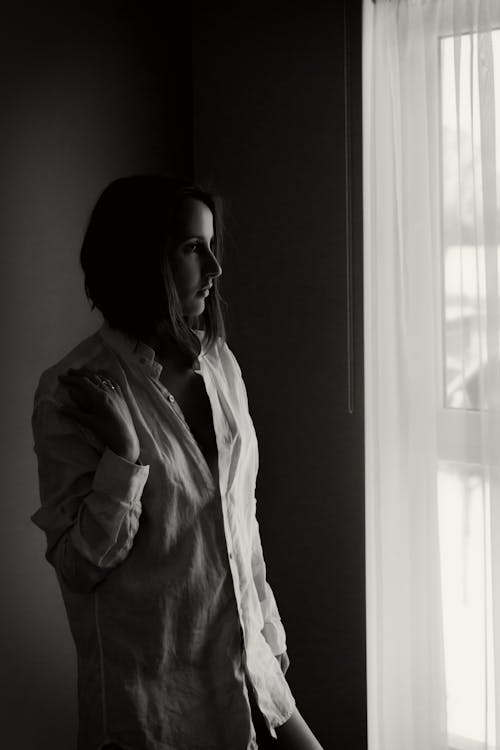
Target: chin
point(194, 310)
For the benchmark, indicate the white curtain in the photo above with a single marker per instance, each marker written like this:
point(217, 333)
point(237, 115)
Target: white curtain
point(431, 152)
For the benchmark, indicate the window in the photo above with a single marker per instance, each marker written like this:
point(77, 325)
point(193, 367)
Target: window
point(463, 479)
point(463, 214)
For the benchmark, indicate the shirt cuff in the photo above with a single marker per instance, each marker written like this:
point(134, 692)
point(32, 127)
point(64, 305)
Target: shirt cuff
point(118, 476)
point(275, 637)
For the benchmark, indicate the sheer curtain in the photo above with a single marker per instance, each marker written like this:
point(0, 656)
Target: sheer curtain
point(431, 141)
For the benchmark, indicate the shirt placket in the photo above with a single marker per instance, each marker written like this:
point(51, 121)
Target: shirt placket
point(223, 439)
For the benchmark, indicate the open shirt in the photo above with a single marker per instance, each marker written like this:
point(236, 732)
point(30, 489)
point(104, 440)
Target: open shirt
point(162, 572)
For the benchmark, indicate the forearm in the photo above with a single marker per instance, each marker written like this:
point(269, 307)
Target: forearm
point(104, 525)
point(82, 559)
point(108, 518)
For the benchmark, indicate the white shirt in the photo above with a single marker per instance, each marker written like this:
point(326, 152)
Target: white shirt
point(162, 572)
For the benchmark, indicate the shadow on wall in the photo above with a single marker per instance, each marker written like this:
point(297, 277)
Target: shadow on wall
point(87, 95)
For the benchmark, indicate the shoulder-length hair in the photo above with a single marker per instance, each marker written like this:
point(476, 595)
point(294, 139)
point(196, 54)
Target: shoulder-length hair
point(127, 270)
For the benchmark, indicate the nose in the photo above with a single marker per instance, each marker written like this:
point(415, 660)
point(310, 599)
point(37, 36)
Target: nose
point(212, 266)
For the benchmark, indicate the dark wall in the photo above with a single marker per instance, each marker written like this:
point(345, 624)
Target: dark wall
point(93, 91)
point(277, 129)
point(89, 92)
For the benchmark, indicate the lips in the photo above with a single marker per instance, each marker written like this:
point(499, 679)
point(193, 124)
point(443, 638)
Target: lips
point(205, 288)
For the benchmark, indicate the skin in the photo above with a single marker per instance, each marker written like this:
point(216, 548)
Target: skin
point(98, 404)
point(193, 265)
point(193, 262)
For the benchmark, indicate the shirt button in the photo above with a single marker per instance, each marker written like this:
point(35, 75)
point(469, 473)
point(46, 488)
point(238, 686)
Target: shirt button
point(230, 555)
point(170, 398)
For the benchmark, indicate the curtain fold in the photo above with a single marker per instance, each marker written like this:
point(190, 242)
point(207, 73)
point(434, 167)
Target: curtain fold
point(431, 87)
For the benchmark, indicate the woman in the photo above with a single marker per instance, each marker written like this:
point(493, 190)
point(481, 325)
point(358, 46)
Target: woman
point(147, 462)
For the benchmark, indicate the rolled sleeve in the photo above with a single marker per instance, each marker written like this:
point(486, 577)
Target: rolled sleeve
point(109, 518)
point(90, 499)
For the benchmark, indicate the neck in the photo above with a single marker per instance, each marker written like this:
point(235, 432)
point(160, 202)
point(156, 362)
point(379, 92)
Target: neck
point(168, 352)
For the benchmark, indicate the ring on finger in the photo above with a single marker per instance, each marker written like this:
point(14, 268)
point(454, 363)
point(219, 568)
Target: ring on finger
point(103, 382)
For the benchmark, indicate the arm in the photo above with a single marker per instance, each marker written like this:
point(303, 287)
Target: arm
point(273, 630)
point(90, 500)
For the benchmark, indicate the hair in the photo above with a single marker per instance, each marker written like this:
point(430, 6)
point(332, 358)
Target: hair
point(127, 270)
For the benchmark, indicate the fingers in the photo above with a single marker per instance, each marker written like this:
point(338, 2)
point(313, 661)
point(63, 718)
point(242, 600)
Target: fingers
point(74, 413)
point(89, 389)
point(83, 377)
point(87, 375)
point(83, 391)
point(113, 384)
point(86, 388)
point(78, 389)
point(78, 381)
point(100, 378)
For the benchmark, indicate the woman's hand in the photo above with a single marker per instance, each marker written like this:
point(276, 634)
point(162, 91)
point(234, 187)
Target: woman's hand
point(101, 406)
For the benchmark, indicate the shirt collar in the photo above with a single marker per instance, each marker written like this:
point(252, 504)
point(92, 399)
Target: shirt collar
point(132, 348)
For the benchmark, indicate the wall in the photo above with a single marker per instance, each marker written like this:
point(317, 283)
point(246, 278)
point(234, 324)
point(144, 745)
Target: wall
point(89, 93)
point(93, 92)
point(277, 131)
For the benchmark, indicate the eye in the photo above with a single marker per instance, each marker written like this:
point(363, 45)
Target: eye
point(192, 247)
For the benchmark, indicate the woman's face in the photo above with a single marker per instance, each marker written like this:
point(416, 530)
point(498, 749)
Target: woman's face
point(193, 263)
